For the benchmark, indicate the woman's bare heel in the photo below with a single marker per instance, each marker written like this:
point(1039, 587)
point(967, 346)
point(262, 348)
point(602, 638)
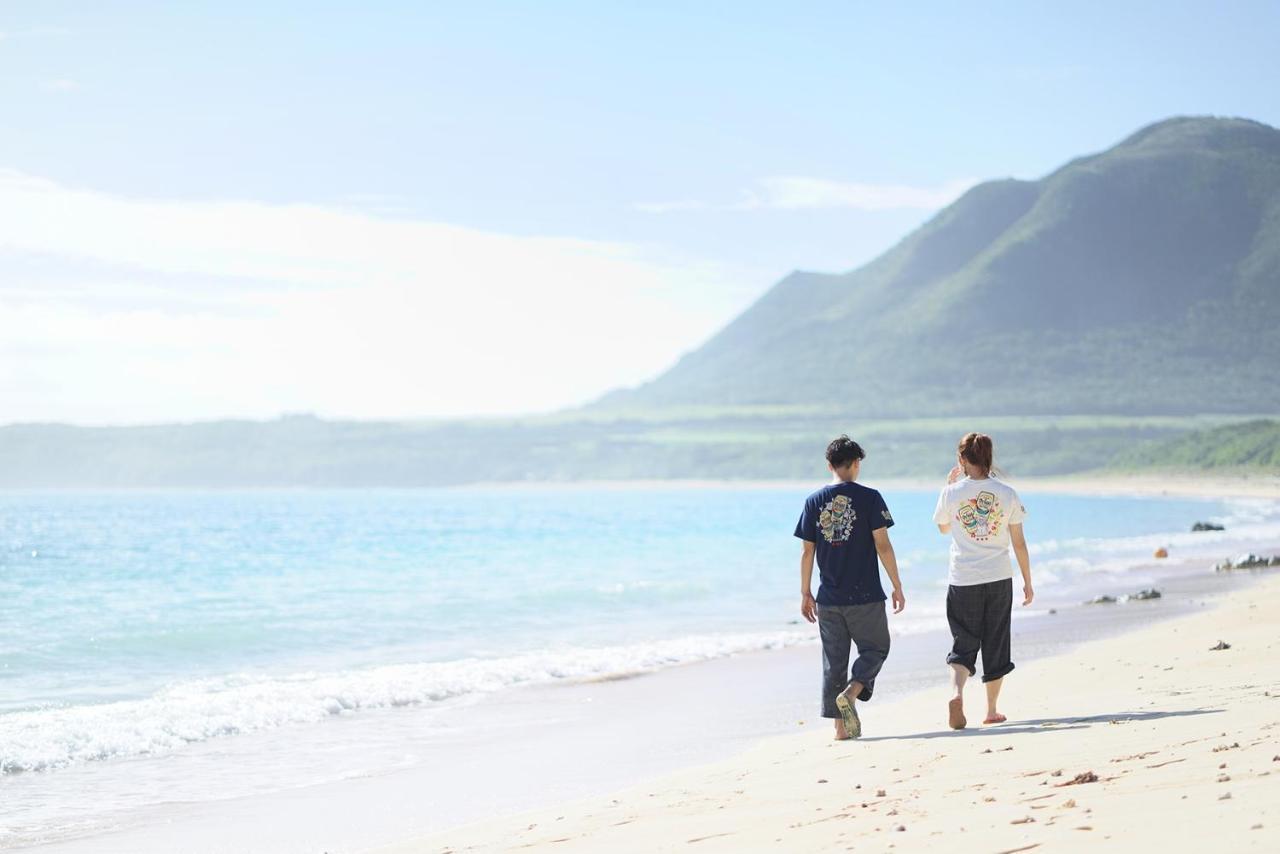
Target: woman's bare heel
point(955, 713)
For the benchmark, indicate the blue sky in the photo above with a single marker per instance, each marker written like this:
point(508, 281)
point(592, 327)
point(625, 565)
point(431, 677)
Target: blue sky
point(422, 209)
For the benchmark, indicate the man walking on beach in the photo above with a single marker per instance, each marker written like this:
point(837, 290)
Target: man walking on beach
point(846, 527)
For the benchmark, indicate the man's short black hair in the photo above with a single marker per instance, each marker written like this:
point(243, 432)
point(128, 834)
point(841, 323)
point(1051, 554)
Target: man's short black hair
point(843, 451)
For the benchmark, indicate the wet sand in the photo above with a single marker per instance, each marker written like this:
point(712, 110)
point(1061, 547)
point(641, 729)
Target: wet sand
point(1142, 741)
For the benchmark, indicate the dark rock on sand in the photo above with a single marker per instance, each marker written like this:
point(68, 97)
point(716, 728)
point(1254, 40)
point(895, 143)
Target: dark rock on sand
point(1101, 600)
point(1207, 526)
point(1221, 645)
point(1143, 594)
point(1248, 561)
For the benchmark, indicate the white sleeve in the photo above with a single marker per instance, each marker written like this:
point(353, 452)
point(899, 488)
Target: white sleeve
point(942, 513)
point(1016, 511)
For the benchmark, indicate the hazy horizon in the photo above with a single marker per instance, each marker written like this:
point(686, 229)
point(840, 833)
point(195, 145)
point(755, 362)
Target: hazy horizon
point(223, 212)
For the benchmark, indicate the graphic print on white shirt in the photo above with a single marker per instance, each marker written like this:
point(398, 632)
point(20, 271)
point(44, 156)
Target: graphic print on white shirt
point(979, 513)
point(836, 519)
point(980, 516)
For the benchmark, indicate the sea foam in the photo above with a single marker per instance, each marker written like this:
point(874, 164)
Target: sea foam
point(194, 711)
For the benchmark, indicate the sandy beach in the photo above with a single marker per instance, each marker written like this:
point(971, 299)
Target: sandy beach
point(728, 752)
point(1149, 740)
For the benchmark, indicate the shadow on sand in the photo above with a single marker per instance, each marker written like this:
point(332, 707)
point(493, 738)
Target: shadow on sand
point(1046, 725)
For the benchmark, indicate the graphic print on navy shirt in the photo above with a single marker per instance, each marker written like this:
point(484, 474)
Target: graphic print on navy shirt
point(839, 519)
point(836, 519)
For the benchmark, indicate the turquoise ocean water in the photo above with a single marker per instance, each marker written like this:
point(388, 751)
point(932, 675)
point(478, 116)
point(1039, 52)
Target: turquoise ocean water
point(140, 623)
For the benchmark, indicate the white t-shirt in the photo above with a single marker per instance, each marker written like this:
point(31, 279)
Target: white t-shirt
point(980, 513)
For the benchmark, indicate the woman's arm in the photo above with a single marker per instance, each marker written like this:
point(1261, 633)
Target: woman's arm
point(1024, 561)
point(945, 527)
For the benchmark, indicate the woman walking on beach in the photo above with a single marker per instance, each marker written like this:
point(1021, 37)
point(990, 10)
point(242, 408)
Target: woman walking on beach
point(983, 515)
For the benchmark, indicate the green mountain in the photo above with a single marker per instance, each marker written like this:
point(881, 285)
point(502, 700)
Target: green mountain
point(1250, 447)
point(1123, 311)
point(1142, 280)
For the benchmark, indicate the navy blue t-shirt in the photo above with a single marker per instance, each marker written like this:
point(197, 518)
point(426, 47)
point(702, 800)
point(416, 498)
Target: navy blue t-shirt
point(839, 519)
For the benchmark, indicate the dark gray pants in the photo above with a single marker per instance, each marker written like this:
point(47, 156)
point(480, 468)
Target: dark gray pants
point(840, 626)
point(979, 617)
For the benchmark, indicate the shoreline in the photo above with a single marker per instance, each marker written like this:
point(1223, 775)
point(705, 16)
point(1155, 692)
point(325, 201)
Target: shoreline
point(1127, 700)
point(384, 782)
point(659, 733)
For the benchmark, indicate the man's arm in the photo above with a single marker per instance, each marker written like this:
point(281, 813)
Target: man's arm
point(1024, 561)
point(884, 548)
point(808, 608)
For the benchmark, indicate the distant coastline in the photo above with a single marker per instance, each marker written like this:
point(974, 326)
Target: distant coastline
point(1104, 483)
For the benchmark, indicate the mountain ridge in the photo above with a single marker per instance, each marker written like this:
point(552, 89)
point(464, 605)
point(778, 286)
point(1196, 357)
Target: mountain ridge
point(1110, 281)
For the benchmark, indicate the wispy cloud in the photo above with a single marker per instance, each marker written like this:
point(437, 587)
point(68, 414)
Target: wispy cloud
point(791, 193)
point(681, 205)
point(123, 309)
point(34, 32)
point(60, 84)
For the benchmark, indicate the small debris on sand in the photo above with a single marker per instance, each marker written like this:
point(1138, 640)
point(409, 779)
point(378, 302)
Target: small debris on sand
point(1026, 819)
point(879, 793)
point(1221, 645)
point(1169, 762)
point(1222, 747)
point(822, 779)
point(1223, 778)
point(1225, 796)
point(901, 828)
point(1069, 804)
point(1083, 777)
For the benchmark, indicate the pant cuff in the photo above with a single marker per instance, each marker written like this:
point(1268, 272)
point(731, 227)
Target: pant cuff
point(998, 673)
point(968, 665)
